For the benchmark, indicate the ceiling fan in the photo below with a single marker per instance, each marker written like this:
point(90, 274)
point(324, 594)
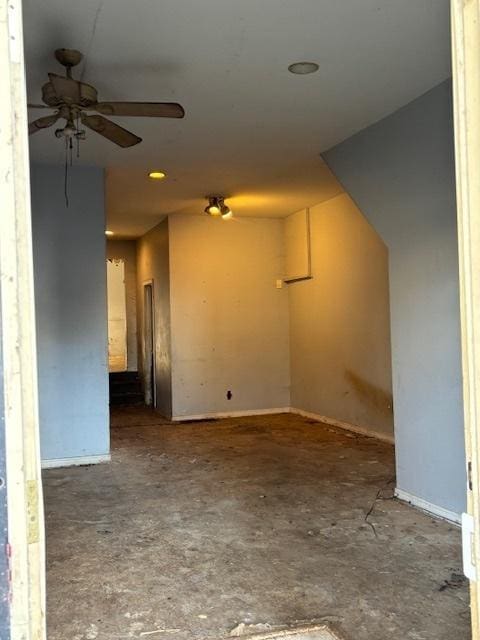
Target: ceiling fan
point(71, 99)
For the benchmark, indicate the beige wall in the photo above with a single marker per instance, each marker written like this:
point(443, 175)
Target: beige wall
point(339, 322)
point(321, 345)
point(229, 321)
point(126, 250)
point(153, 264)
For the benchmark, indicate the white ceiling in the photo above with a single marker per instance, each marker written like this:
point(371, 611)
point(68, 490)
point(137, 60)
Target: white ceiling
point(252, 130)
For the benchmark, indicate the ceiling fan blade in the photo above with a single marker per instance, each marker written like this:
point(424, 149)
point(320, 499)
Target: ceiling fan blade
point(38, 106)
point(42, 123)
point(65, 88)
point(141, 109)
point(110, 130)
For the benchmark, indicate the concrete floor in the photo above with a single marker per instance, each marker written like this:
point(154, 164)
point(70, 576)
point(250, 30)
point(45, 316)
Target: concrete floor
point(198, 527)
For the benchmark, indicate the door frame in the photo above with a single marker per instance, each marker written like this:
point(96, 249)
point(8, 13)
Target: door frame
point(465, 21)
point(24, 494)
point(150, 380)
point(25, 524)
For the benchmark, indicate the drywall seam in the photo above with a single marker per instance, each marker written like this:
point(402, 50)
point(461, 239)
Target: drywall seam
point(53, 463)
point(231, 414)
point(344, 425)
point(428, 507)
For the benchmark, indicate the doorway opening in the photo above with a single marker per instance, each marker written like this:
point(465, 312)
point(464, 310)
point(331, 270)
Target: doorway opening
point(117, 315)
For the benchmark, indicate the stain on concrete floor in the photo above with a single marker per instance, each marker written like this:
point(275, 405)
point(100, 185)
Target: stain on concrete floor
point(193, 529)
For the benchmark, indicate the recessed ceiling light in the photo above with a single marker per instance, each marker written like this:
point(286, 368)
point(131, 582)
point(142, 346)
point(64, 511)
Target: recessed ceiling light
point(157, 175)
point(108, 233)
point(302, 68)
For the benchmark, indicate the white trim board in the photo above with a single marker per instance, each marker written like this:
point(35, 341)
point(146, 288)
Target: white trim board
point(231, 414)
point(53, 463)
point(428, 507)
point(344, 425)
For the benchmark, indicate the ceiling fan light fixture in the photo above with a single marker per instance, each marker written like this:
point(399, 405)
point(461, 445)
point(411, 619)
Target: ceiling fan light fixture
point(109, 233)
point(157, 175)
point(226, 212)
point(69, 130)
point(217, 207)
point(213, 207)
point(212, 210)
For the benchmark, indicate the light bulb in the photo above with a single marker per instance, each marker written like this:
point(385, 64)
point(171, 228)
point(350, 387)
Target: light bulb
point(69, 131)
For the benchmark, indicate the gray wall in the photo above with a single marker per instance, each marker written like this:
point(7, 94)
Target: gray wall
point(70, 301)
point(127, 251)
point(340, 322)
point(400, 172)
point(153, 264)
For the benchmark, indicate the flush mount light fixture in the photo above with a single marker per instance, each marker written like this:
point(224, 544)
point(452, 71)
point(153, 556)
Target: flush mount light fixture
point(302, 68)
point(108, 232)
point(216, 207)
point(157, 175)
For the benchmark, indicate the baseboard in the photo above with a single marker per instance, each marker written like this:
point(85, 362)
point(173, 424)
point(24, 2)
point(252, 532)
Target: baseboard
point(428, 507)
point(344, 425)
point(306, 414)
point(230, 414)
point(74, 462)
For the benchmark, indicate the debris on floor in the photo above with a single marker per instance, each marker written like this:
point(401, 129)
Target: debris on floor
point(194, 547)
point(265, 632)
point(455, 581)
point(243, 629)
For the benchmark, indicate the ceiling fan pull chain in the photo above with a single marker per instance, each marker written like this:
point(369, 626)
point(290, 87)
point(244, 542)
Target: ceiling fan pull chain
point(77, 137)
point(65, 184)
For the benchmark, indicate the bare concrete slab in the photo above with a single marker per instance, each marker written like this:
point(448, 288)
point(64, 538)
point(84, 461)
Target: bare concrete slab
point(193, 529)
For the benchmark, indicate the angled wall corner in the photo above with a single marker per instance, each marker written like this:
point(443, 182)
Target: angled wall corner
point(401, 174)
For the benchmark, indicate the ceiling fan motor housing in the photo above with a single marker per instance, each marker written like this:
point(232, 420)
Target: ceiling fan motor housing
point(88, 96)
